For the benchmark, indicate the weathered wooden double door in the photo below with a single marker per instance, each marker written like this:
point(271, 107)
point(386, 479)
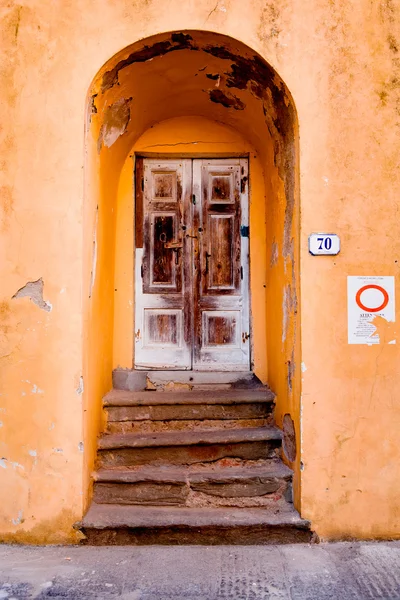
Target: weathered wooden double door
point(192, 264)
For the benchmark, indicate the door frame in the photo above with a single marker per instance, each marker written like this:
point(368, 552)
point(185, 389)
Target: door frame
point(138, 158)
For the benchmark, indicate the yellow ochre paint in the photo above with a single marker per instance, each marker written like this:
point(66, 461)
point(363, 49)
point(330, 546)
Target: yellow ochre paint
point(66, 214)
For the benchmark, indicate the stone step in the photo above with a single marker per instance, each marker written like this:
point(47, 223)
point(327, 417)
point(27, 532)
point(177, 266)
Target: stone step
point(150, 426)
point(246, 378)
point(188, 447)
point(186, 438)
point(189, 412)
point(225, 472)
point(112, 524)
point(270, 481)
point(135, 380)
point(211, 397)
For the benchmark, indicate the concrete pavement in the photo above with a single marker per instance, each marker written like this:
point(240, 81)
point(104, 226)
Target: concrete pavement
point(314, 572)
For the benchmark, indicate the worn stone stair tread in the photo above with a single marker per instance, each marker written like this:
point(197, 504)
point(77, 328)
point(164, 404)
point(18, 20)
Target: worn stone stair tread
point(188, 438)
point(240, 396)
point(204, 377)
point(166, 474)
point(110, 516)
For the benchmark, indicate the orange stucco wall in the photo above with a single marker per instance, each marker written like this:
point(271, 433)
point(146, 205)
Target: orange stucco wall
point(60, 208)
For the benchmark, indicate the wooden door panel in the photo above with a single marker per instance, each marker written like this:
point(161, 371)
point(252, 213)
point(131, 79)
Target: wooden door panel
point(220, 187)
point(221, 328)
point(163, 338)
point(221, 312)
point(163, 327)
point(221, 261)
point(164, 185)
point(221, 215)
point(162, 266)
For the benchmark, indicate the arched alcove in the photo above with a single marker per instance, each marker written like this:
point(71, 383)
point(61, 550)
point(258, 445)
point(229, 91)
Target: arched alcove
point(191, 93)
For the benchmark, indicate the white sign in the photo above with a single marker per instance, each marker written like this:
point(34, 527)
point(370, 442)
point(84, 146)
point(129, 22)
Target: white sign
point(368, 298)
point(323, 243)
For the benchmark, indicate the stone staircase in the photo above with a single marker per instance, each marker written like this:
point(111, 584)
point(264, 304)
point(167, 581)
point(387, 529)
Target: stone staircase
point(195, 465)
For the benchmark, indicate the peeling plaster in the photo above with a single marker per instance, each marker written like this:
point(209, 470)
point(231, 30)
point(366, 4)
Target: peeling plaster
point(289, 438)
point(34, 291)
point(33, 453)
point(115, 122)
point(303, 367)
point(274, 254)
point(79, 389)
point(285, 310)
point(179, 41)
point(289, 308)
point(14, 465)
point(19, 519)
point(290, 371)
point(227, 99)
point(94, 254)
point(37, 390)
point(80, 447)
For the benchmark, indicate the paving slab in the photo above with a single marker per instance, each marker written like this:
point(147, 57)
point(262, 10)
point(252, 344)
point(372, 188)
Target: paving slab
point(342, 571)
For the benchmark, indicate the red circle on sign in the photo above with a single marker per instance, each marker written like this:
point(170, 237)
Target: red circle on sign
point(372, 287)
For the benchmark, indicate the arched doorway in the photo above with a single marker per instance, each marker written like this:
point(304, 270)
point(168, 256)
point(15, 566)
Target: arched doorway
point(192, 96)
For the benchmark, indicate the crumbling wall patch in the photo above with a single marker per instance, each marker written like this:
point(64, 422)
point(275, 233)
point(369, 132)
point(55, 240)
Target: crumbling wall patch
point(178, 41)
point(226, 99)
point(34, 291)
point(115, 122)
point(289, 438)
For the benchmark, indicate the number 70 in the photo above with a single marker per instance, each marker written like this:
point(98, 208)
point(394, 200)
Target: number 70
point(324, 243)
